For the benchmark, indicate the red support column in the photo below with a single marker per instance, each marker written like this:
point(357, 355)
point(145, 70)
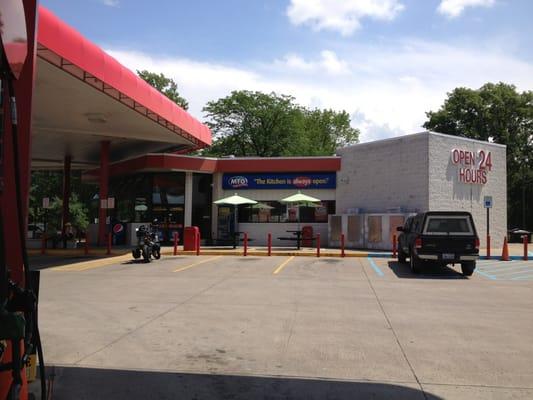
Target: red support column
point(176, 241)
point(318, 244)
point(245, 246)
point(104, 190)
point(8, 200)
point(66, 198)
point(198, 244)
point(269, 244)
point(109, 239)
point(525, 240)
point(43, 244)
point(342, 245)
point(86, 247)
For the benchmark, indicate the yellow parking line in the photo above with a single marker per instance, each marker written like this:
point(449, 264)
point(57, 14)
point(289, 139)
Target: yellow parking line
point(195, 264)
point(282, 265)
point(85, 265)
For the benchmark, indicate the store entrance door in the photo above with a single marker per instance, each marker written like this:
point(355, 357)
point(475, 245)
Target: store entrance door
point(170, 220)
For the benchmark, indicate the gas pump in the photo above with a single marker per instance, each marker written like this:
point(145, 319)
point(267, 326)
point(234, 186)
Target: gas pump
point(19, 333)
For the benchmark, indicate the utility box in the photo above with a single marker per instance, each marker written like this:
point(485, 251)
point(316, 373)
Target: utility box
point(190, 235)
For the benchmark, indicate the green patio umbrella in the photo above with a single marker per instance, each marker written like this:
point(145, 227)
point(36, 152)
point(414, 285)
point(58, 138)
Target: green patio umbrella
point(299, 199)
point(234, 201)
point(261, 206)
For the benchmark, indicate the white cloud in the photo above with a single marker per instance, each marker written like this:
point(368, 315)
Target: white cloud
point(111, 3)
point(341, 15)
point(328, 62)
point(454, 8)
point(387, 89)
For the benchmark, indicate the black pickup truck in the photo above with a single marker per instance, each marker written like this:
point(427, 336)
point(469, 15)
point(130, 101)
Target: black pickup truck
point(443, 237)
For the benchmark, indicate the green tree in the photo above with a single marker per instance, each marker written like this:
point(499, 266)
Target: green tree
point(325, 131)
point(78, 214)
point(497, 113)
point(249, 123)
point(165, 85)
point(50, 184)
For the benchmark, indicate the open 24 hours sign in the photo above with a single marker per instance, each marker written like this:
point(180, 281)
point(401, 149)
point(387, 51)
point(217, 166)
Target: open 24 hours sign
point(327, 180)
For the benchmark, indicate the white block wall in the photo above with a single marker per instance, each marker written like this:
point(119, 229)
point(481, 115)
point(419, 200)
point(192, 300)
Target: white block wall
point(259, 232)
point(384, 174)
point(446, 192)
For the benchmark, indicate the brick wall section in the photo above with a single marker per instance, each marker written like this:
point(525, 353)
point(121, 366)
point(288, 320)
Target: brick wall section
point(384, 174)
point(446, 192)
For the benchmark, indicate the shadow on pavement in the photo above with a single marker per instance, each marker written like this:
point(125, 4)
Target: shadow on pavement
point(429, 271)
point(331, 260)
point(89, 383)
point(43, 262)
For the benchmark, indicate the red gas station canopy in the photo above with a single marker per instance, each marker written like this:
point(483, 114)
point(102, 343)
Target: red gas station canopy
point(84, 95)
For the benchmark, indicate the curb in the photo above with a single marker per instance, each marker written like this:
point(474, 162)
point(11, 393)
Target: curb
point(279, 253)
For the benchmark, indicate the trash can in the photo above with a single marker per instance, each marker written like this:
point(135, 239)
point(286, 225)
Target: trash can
point(307, 236)
point(517, 235)
point(190, 234)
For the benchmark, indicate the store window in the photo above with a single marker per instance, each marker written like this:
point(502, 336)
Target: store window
point(275, 211)
point(202, 201)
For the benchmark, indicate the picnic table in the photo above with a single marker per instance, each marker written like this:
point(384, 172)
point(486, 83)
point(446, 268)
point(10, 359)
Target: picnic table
point(297, 237)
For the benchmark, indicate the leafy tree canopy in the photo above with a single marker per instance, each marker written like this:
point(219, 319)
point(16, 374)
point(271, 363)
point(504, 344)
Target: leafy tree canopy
point(249, 123)
point(165, 85)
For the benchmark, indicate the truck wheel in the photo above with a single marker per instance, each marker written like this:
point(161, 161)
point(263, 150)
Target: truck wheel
point(468, 267)
point(414, 263)
point(402, 257)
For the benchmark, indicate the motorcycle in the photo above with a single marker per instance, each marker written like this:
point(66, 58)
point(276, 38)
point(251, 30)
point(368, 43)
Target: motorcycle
point(147, 243)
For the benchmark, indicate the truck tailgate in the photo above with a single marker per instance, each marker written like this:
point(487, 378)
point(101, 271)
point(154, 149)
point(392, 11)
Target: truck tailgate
point(449, 244)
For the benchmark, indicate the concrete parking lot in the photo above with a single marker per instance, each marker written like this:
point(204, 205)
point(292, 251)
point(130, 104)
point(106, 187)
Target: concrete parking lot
point(219, 327)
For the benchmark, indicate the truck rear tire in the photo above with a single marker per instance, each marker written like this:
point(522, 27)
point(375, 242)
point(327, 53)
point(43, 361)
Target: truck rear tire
point(414, 263)
point(402, 257)
point(468, 267)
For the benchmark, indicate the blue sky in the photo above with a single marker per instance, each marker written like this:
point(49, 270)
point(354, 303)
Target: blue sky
point(386, 62)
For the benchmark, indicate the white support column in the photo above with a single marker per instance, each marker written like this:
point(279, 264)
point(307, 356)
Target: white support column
point(188, 199)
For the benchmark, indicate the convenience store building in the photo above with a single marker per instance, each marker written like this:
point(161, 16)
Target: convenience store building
point(366, 190)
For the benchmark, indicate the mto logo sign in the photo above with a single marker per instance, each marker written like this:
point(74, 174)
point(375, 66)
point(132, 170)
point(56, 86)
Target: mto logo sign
point(297, 180)
point(238, 182)
point(301, 181)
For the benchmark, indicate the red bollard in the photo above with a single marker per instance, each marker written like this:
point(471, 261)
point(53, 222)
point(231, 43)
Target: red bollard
point(198, 244)
point(318, 244)
point(394, 249)
point(109, 237)
point(245, 244)
point(86, 247)
point(269, 244)
point(488, 246)
point(43, 244)
point(176, 240)
point(525, 247)
point(342, 245)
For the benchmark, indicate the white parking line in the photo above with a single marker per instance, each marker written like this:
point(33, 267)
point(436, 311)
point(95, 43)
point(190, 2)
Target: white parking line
point(522, 277)
point(499, 270)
